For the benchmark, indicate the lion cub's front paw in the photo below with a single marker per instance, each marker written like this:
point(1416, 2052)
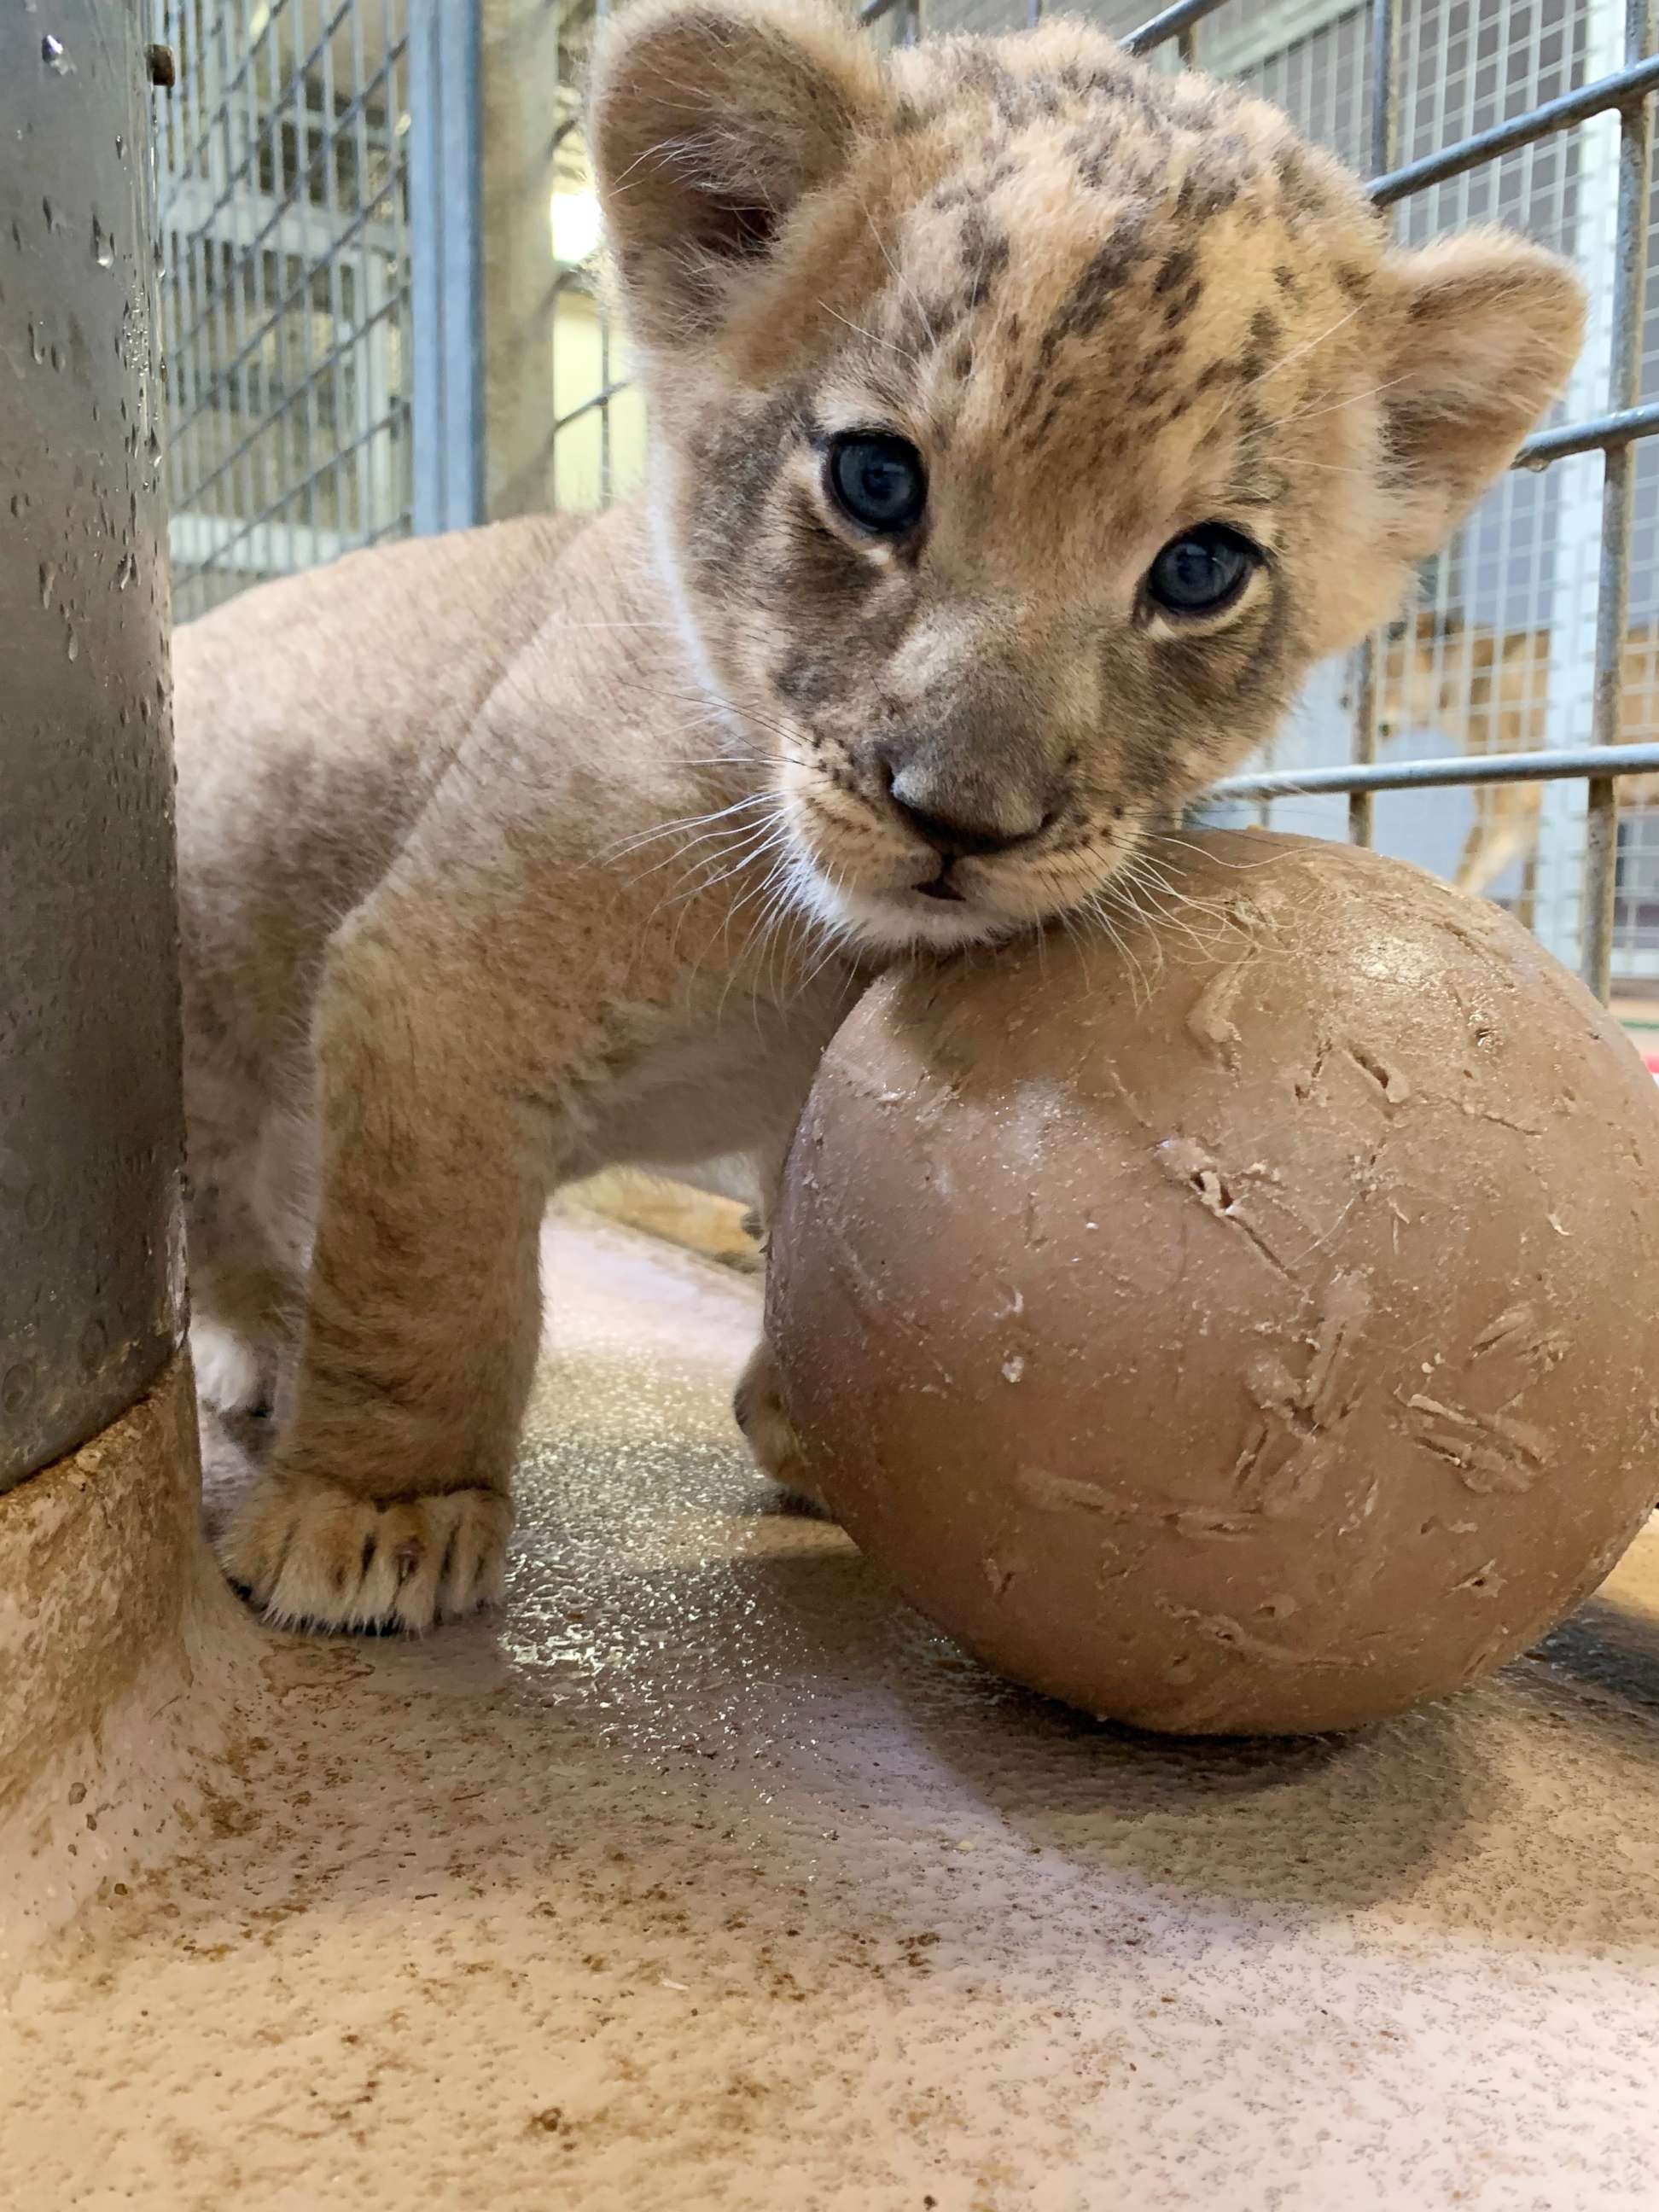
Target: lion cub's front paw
point(770, 1435)
point(312, 1556)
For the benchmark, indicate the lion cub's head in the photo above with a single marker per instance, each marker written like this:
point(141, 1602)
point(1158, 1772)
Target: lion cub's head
point(1026, 424)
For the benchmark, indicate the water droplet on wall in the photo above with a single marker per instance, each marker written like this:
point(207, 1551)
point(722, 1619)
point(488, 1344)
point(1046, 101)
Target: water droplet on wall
point(103, 246)
point(48, 578)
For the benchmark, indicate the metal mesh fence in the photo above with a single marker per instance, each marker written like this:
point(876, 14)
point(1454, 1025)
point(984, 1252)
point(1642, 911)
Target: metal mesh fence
point(285, 286)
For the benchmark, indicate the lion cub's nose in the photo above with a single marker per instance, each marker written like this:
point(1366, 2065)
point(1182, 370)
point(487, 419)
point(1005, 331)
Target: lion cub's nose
point(955, 831)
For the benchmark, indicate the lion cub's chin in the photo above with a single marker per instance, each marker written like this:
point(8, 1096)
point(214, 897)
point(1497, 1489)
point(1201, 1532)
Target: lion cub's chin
point(882, 923)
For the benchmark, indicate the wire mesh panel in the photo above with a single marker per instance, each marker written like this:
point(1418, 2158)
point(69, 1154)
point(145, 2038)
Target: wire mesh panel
point(285, 286)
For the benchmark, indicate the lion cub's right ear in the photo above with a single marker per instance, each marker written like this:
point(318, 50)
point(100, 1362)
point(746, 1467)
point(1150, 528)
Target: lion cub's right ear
point(709, 120)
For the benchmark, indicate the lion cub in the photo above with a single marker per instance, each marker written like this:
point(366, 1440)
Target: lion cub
point(1025, 425)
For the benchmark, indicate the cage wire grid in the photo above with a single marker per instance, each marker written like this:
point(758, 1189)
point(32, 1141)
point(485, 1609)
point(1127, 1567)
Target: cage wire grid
point(1520, 694)
point(285, 286)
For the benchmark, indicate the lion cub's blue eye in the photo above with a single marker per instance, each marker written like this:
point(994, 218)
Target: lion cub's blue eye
point(1202, 571)
point(879, 481)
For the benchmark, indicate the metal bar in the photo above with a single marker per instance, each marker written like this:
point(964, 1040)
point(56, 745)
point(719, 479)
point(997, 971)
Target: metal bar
point(873, 10)
point(447, 303)
point(608, 384)
point(1169, 25)
point(1622, 88)
point(461, 60)
point(1186, 45)
point(1612, 592)
point(1559, 764)
point(250, 290)
point(1382, 129)
point(425, 289)
point(549, 457)
point(306, 499)
point(338, 318)
point(1602, 432)
point(367, 414)
point(599, 399)
point(1363, 747)
point(1381, 149)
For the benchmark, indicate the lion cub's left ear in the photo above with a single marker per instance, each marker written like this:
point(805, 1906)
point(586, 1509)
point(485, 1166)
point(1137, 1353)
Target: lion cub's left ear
point(709, 121)
point(1485, 328)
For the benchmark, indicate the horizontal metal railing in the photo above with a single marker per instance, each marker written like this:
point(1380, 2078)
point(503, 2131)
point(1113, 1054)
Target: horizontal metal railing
point(1564, 764)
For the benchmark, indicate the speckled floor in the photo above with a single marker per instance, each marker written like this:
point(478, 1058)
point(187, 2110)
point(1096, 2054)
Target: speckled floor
point(708, 1877)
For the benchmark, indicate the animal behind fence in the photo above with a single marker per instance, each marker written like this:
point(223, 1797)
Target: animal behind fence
point(1487, 692)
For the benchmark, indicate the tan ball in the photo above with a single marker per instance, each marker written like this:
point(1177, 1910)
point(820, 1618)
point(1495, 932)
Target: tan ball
point(1250, 1330)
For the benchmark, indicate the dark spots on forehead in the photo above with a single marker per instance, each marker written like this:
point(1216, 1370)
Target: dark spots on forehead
point(1199, 106)
point(985, 254)
point(1304, 193)
point(1037, 431)
point(961, 360)
point(1103, 277)
point(1267, 336)
point(1217, 174)
point(910, 328)
point(1175, 311)
point(1174, 272)
point(1149, 389)
point(972, 187)
point(1216, 373)
point(1285, 278)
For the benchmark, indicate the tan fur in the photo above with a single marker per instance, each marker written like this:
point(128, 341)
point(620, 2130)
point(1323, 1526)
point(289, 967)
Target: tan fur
point(507, 856)
point(1489, 690)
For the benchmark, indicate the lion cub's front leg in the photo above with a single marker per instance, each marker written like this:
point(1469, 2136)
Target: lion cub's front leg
point(767, 1428)
point(386, 1500)
point(757, 1401)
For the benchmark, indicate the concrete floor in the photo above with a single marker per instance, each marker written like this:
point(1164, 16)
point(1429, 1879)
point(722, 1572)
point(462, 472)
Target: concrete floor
point(708, 1876)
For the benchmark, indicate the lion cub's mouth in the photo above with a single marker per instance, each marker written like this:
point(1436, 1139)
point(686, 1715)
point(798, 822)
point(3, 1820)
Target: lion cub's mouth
point(941, 887)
